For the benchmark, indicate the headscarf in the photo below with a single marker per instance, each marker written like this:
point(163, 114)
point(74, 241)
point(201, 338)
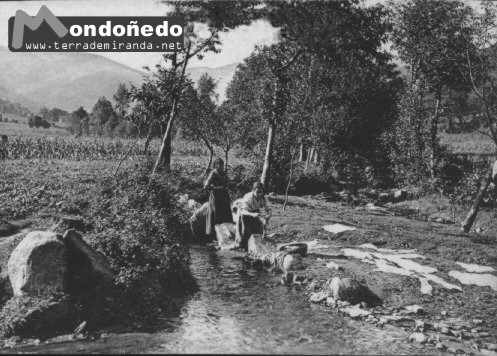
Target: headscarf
point(218, 160)
point(258, 185)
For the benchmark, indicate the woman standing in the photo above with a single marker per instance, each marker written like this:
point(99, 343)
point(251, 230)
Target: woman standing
point(219, 210)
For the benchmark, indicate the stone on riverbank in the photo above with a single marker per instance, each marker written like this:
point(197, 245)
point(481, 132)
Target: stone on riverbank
point(37, 263)
point(225, 235)
point(6, 228)
point(262, 251)
point(350, 290)
point(87, 268)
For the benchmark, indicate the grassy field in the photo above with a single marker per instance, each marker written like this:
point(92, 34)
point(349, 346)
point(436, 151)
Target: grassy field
point(13, 129)
point(475, 142)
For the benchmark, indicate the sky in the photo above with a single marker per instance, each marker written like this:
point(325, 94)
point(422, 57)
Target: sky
point(237, 44)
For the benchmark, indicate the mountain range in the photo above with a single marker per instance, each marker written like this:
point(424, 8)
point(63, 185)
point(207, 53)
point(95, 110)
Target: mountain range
point(68, 80)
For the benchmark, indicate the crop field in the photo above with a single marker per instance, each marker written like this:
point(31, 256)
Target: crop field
point(473, 143)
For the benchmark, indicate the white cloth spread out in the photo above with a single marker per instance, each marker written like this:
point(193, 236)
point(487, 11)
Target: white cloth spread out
point(338, 228)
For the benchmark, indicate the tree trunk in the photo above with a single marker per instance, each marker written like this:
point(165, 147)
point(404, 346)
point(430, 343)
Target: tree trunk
point(310, 153)
point(266, 170)
point(226, 156)
point(147, 141)
point(291, 176)
point(301, 153)
point(211, 154)
point(164, 157)
point(471, 217)
point(433, 140)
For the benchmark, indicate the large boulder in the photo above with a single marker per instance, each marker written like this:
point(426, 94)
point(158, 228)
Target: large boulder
point(225, 235)
point(263, 252)
point(38, 263)
point(87, 268)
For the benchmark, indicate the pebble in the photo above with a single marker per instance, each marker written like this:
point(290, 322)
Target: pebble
point(444, 330)
point(318, 297)
point(444, 313)
point(331, 302)
point(419, 338)
point(488, 352)
point(415, 309)
point(491, 347)
point(420, 324)
point(440, 346)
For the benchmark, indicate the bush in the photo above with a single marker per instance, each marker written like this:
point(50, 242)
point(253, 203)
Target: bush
point(141, 230)
point(464, 192)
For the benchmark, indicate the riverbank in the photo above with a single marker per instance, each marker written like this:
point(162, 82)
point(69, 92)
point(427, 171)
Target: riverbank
point(453, 320)
point(134, 222)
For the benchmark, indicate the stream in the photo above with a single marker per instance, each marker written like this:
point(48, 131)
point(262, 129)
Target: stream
point(243, 310)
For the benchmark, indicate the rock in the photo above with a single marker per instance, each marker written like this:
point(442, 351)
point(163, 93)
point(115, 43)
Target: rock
point(294, 248)
point(488, 352)
point(6, 228)
point(37, 263)
point(350, 290)
point(399, 195)
point(420, 325)
point(489, 346)
point(225, 234)
point(356, 312)
point(334, 265)
point(416, 309)
point(440, 345)
point(342, 304)
point(69, 222)
point(44, 315)
point(318, 297)
point(419, 338)
point(477, 321)
point(444, 313)
point(263, 252)
point(332, 302)
point(88, 269)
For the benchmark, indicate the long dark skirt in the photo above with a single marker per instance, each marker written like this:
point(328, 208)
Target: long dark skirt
point(219, 210)
point(247, 226)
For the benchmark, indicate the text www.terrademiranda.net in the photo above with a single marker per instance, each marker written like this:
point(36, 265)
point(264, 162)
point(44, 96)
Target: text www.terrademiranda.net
point(107, 46)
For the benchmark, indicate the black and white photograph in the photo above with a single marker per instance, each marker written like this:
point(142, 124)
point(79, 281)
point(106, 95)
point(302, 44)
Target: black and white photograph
point(248, 177)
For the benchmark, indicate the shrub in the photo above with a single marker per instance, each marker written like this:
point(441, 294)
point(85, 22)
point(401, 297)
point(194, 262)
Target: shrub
point(140, 228)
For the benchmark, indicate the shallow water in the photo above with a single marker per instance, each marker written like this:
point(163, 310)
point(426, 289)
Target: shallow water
point(243, 310)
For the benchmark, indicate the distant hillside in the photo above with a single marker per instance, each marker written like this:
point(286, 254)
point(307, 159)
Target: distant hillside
point(63, 80)
point(69, 80)
point(222, 74)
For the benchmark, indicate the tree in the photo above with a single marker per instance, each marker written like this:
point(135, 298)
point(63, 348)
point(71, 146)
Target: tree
point(79, 122)
point(218, 16)
point(198, 116)
point(103, 117)
point(478, 70)
point(430, 36)
point(333, 39)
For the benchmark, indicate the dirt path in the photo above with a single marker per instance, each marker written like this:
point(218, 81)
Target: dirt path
point(458, 321)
